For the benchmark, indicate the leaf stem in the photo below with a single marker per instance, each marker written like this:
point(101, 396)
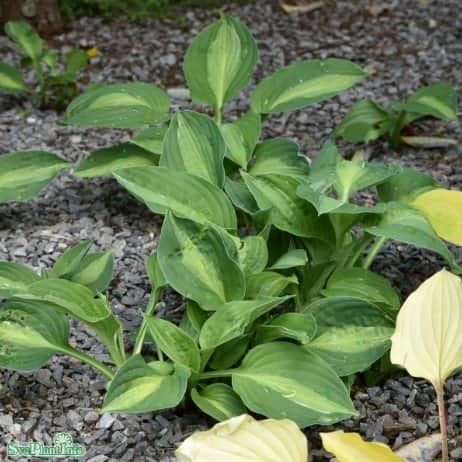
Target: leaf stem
point(218, 115)
point(443, 422)
point(365, 242)
point(143, 328)
point(396, 130)
point(88, 359)
point(375, 249)
point(214, 374)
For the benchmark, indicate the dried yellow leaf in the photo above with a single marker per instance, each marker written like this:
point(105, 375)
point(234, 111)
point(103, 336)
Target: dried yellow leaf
point(427, 340)
point(244, 439)
point(349, 447)
point(443, 209)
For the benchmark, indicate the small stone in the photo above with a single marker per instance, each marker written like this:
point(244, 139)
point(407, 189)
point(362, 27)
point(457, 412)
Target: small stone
point(456, 453)
point(106, 421)
point(99, 458)
point(91, 417)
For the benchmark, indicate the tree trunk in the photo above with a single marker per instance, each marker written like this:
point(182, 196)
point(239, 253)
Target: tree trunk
point(44, 15)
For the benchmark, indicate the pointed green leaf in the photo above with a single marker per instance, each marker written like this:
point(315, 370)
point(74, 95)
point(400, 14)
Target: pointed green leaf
point(150, 139)
point(24, 174)
point(438, 100)
point(27, 39)
point(175, 343)
point(352, 334)
point(295, 326)
point(95, 271)
point(241, 196)
point(142, 387)
point(185, 195)
point(120, 105)
point(406, 186)
point(65, 297)
point(11, 79)
point(407, 224)
point(253, 255)
point(283, 381)
point(241, 137)
point(232, 319)
point(324, 166)
point(156, 277)
point(30, 336)
point(69, 262)
point(267, 284)
point(289, 212)
point(220, 61)
point(230, 353)
point(197, 264)
point(15, 278)
point(219, 401)
point(107, 160)
point(194, 144)
point(362, 123)
point(305, 83)
point(279, 156)
point(362, 284)
point(291, 259)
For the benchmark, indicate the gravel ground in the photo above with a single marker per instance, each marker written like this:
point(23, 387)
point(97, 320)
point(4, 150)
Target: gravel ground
point(404, 44)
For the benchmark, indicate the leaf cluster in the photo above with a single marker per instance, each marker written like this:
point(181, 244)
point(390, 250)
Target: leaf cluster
point(55, 85)
point(272, 254)
point(368, 120)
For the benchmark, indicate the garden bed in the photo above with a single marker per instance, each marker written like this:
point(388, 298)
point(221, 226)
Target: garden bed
point(403, 45)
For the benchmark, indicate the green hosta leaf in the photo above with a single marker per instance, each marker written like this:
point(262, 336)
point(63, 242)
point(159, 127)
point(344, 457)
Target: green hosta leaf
point(409, 225)
point(95, 271)
point(283, 381)
point(406, 186)
point(219, 401)
point(150, 139)
point(65, 297)
point(50, 58)
point(301, 84)
point(142, 387)
point(241, 196)
point(30, 336)
point(194, 144)
point(27, 39)
point(291, 259)
point(175, 343)
point(120, 105)
point(232, 319)
point(228, 354)
point(220, 61)
point(12, 79)
point(185, 195)
point(352, 176)
point(267, 284)
point(24, 174)
point(69, 262)
point(325, 204)
point(295, 326)
point(289, 212)
point(76, 60)
point(438, 100)
point(107, 160)
point(241, 137)
point(253, 255)
point(362, 284)
point(193, 319)
point(324, 167)
point(15, 278)
point(196, 262)
point(279, 156)
point(362, 123)
point(314, 279)
point(352, 334)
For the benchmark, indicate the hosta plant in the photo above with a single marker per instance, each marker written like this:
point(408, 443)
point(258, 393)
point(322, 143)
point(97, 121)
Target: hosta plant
point(271, 254)
point(55, 84)
point(368, 120)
